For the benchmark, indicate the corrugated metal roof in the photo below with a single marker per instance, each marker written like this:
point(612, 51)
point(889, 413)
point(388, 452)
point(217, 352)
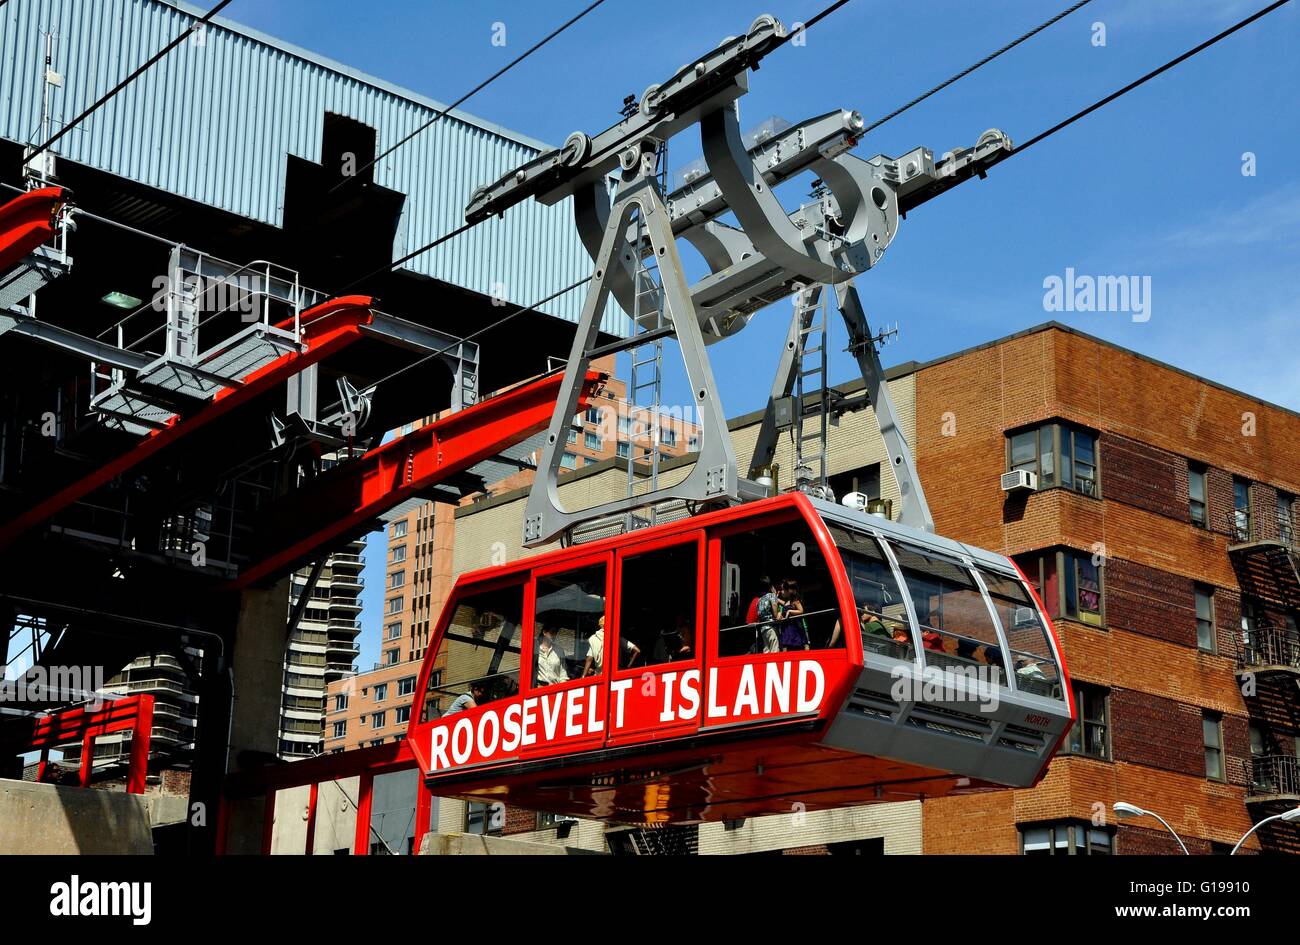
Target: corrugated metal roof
point(215, 120)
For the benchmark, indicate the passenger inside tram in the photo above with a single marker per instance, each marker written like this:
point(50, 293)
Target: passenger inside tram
point(794, 629)
point(569, 612)
point(761, 616)
point(882, 613)
point(595, 664)
point(467, 700)
point(1031, 653)
point(549, 662)
point(677, 643)
point(777, 595)
point(479, 651)
point(956, 626)
point(657, 607)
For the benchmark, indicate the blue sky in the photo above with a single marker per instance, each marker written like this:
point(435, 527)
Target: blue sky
point(1151, 185)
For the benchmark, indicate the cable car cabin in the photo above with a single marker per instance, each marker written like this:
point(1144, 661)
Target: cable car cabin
point(781, 652)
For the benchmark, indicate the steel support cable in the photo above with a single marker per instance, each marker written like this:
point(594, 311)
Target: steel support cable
point(478, 88)
point(465, 227)
point(140, 70)
point(983, 62)
point(1065, 123)
point(373, 386)
point(1032, 141)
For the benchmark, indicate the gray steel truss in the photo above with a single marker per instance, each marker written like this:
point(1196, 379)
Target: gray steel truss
point(769, 256)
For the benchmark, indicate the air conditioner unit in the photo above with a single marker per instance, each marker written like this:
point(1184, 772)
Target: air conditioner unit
point(1023, 617)
point(1019, 479)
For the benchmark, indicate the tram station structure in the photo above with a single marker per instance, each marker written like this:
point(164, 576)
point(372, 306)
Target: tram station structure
point(943, 608)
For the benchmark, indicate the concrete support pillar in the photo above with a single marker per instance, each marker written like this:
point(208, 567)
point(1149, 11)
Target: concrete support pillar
point(258, 661)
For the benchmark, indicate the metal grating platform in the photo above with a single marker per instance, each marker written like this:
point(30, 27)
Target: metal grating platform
point(150, 397)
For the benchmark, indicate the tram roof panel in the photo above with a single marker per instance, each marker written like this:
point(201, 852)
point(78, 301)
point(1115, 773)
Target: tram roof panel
point(833, 513)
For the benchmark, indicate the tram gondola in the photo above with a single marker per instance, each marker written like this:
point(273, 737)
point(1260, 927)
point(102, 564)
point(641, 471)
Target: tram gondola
point(628, 680)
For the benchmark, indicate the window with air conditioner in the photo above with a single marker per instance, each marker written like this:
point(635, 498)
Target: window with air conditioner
point(1066, 838)
point(1059, 454)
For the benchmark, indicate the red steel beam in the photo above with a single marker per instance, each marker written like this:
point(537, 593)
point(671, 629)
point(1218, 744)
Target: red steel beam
point(26, 222)
point(360, 490)
point(326, 329)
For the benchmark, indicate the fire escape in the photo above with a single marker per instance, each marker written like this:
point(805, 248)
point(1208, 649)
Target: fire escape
point(1265, 559)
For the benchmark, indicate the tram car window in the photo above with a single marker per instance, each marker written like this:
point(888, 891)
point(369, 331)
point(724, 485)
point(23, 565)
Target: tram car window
point(956, 626)
point(658, 609)
point(881, 610)
point(805, 611)
point(570, 610)
point(479, 654)
point(1031, 653)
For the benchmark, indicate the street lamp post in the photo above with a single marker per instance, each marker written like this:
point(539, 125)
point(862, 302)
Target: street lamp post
point(1286, 816)
point(1125, 810)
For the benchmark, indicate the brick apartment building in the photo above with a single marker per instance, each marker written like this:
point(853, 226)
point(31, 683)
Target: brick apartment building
point(1162, 538)
point(1181, 641)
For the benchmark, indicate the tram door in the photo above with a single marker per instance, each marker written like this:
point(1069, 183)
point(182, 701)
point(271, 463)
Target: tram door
point(565, 669)
point(776, 608)
point(656, 687)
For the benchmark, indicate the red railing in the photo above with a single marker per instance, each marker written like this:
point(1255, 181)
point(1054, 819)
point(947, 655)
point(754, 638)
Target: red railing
point(365, 764)
point(132, 714)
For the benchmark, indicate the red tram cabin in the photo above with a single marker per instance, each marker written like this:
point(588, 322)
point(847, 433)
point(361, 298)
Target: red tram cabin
point(628, 680)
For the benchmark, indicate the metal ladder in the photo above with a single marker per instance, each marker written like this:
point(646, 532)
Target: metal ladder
point(809, 429)
point(647, 375)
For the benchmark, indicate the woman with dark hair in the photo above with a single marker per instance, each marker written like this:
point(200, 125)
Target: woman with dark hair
point(794, 629)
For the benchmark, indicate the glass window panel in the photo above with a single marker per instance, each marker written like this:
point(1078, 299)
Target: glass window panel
point(1100, 843)
point(750, 620)
point(882, 613)
point(1037, 840)
point(655, 627)
point(478, 658)
point(570, 608)
point(1023, 454)
point(1089, 589)
point(1046, 456)
point(956, 626)
point(1031, 653)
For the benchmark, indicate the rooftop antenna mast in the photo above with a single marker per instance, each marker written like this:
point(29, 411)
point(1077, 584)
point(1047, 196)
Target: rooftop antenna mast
point(771, 255)
point(40, 169)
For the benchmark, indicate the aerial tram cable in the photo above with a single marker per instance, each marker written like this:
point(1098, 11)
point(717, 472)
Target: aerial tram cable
point(478, 88)
point(835, 6)
point(465, 227)
point(143, 68)
point(967, 71)
point(373, 386)
point(1065, 123)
